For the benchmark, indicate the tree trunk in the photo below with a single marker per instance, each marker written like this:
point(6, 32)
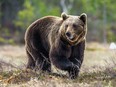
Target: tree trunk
point(104, 24)
point(63, 6)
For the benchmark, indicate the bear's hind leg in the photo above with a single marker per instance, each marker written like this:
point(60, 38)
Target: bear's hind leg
point(38, 59)
point(31, 62)
point(43, 63)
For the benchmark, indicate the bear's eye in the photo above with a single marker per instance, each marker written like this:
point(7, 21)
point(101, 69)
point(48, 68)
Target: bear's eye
point(66, 26)
point(75, 26)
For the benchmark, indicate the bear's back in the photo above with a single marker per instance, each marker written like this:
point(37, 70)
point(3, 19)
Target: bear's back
point(38, 32)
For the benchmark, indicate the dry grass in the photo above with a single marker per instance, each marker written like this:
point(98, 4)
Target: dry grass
point(98, 70)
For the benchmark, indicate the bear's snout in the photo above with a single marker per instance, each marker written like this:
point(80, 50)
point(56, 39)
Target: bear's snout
point(69, 35)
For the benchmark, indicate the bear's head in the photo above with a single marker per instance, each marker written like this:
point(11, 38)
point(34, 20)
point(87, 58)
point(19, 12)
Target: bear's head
point(73, 29)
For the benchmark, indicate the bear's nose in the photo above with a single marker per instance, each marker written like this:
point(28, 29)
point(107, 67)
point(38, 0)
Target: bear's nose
point(68, 34)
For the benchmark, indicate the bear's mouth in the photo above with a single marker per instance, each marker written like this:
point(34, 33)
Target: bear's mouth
point(71, 37)
point(76, 38)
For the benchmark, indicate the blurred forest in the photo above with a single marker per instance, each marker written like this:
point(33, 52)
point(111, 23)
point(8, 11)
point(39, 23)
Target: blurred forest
point(17, 15)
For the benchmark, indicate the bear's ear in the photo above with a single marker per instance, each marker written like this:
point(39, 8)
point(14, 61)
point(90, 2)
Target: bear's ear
point(83, 17)
point(64, 16)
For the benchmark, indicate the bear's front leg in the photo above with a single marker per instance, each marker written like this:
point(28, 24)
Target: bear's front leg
point(59, 57)
point(77, 57)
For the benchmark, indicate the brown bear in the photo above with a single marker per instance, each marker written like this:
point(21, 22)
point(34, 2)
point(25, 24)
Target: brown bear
point(57, 40)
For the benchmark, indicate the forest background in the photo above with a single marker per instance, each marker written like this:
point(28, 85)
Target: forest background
point(17, 15)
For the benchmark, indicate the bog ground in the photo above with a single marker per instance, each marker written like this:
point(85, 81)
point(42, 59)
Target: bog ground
point(98, 69)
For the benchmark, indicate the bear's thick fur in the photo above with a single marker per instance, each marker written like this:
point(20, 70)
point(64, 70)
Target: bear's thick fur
point(57, 40)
